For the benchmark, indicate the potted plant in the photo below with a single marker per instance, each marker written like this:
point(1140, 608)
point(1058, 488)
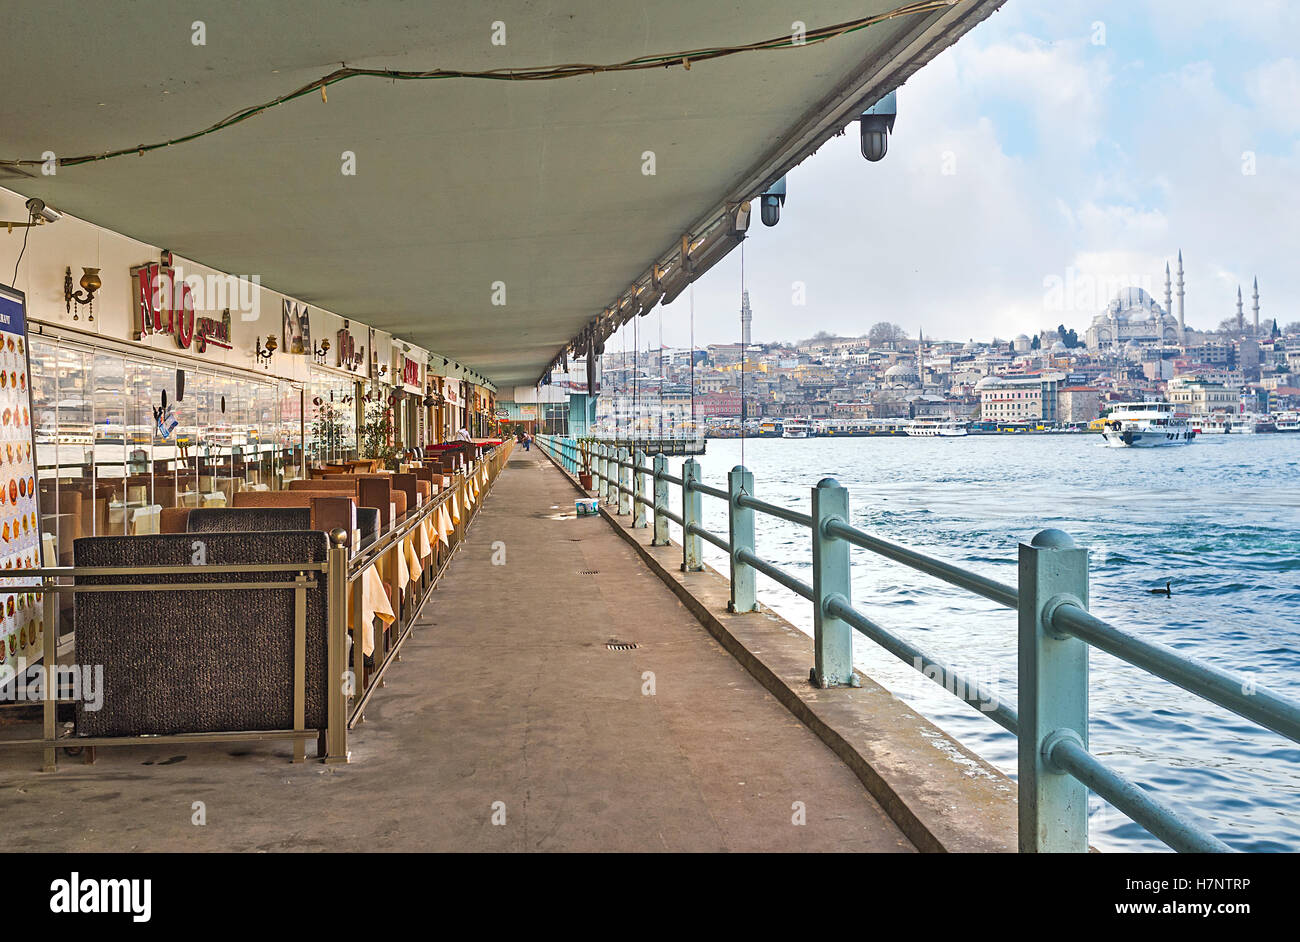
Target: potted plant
point(584, 476)
point(378, 435)
point(327, 430)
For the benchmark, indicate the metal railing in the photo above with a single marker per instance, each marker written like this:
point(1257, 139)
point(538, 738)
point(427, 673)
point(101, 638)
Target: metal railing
point(349, 688)
point(1055, 631)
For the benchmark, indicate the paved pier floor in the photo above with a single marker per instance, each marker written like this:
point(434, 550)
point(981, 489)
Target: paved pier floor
point(507, 693)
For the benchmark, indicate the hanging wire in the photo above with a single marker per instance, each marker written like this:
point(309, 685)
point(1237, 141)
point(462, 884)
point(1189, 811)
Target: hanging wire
point(661, 375)
point(742, 354)
point(693, 429)
point(636, 378)
point(683, 58)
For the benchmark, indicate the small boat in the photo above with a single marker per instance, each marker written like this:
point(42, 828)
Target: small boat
point(797, 428)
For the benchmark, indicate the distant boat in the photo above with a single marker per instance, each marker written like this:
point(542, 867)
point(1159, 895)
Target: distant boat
point(1228, 423)
point(797, 428)
point(937, 427)
point(1146, 425)
point(1288, 422)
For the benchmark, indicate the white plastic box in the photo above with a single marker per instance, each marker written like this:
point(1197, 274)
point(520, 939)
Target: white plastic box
point(586, 506)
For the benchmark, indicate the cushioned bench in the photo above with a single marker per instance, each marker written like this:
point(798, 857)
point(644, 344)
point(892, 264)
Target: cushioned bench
point(216, 660)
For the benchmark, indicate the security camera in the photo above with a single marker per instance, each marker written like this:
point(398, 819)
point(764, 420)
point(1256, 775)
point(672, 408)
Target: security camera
point(37, 208)
point(770, 203)
point(876, 124)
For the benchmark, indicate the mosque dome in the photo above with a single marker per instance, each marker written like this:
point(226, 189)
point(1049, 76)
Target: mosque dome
point(1133, 304)
point(902, 372)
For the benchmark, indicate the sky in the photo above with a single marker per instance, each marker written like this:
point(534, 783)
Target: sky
point(1059, 151)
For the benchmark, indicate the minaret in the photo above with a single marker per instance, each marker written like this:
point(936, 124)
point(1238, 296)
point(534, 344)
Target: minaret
point(1182, 325)
point(1255, 306)
point(920, 356)
point(1169, 303)
point(746, 318)
point(1241, 317)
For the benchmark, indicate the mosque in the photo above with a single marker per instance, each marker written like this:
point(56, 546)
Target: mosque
point(1133, 316)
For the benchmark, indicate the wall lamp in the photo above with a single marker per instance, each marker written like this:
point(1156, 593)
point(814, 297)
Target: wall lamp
point(320, 351)
point(90, 283)
point(877, 123)
point(264, 353)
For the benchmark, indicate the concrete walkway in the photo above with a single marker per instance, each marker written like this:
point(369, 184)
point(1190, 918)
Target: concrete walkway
point(508, 703)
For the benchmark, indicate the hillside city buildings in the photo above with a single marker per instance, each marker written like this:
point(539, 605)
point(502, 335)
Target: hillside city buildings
point(1135, 349)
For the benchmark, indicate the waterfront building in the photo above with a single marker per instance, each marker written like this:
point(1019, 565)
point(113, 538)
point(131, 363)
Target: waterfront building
point(1015, 399)
point(1079, 404)
point(1199, 395)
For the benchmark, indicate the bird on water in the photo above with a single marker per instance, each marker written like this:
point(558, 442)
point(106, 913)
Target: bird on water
point(1166, 591)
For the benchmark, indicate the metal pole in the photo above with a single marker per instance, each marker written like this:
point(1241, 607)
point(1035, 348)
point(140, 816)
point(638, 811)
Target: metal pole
point(832, 578)
point(49, 654)
point(336, 704)
point(611, 479)
point(638, 489)
point(624, 481)
point(692, 545)
point(661, 500)
point(740, 527)
point(1053, 695)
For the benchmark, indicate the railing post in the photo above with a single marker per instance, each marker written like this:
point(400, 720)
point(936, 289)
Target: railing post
point(692, 506)
point(832, 578)
point(740, 529)
point(660, 537)
point(336, 687)
point(638, 489)
point(1053, 695)
point(611, 475)
point(624, 481)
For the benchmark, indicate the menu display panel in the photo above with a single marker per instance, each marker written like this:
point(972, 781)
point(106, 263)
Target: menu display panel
point(21, 612)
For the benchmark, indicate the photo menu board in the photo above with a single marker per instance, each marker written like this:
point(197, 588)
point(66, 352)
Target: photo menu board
point(20, 529)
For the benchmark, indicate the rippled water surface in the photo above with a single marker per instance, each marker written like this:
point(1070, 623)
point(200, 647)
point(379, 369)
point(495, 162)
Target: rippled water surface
point(1220, 519)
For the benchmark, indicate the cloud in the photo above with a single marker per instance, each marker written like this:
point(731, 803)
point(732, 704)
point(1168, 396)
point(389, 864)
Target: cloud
point(1027, 153)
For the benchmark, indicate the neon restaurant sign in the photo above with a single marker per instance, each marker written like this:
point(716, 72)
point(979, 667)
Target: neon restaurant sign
point(165, 305)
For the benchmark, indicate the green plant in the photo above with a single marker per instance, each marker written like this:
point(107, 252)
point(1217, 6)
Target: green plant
point(379, 435)
point(327, 433)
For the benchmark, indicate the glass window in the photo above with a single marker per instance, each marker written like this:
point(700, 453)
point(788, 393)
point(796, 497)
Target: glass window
point(110, 458)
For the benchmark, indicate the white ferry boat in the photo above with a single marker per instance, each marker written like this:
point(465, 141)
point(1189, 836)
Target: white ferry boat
point(1146, 425)
point(1227, 423)
point(1288, 422)
point(937, 427)
point(797, 428)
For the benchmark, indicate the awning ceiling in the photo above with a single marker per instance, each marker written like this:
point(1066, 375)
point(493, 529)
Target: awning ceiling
point(459, 183)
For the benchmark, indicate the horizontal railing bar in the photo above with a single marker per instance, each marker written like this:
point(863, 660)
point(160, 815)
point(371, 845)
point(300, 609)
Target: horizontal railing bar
point(797, 586)
point(910, 655)
point(990, 589)
point(705, 535)
point(146, 739)
point(772, 510)
point(669, 478)
point(160, 586)
point(711, 491)
point(66, 571)
point(1069, 755)
point(661, 509)
point(649, 502)
point(1262, 706)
